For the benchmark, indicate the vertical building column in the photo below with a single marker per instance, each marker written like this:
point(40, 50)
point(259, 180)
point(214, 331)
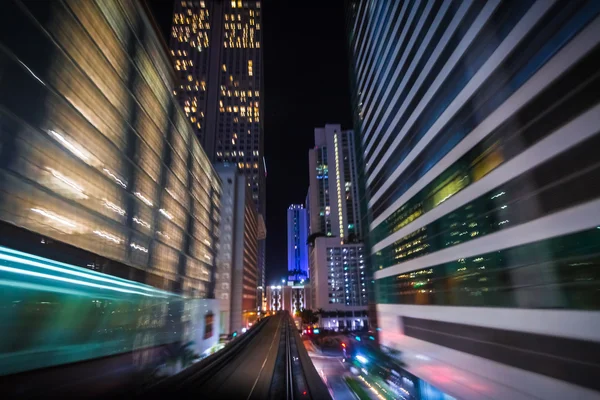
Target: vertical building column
point(214, 238)
point(165, 165)
point(189, 225)
point(131, 145)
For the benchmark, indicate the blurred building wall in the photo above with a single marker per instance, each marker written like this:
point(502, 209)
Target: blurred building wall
point(96, 152)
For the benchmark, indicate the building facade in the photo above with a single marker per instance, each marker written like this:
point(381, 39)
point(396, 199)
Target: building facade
point(478, 122)
point(297, 235)
point(105, 191)
point(338, 275)
point(337, 271)
point(237, 260)
point(291, 298)
point(108, 162)
point(333, 193)
point(217, 55)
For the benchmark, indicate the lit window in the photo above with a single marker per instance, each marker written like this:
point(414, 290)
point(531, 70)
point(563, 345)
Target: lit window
point(224, 67)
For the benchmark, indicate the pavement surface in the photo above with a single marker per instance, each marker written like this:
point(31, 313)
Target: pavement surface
point(332, 370)
point(248, 376)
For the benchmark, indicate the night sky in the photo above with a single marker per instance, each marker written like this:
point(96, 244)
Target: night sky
point(306, 86)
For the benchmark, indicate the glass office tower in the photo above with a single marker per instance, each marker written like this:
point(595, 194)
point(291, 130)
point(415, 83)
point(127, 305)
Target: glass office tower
point(479, 129)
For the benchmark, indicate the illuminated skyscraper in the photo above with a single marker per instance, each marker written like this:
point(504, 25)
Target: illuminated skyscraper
point(333, 193)
point(297, 232)
point(217, 55)
point(478, 122)
point(338, 277)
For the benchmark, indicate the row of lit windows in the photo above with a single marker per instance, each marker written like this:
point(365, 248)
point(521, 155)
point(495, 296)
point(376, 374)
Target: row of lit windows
point(194, 22)
point(241, 45)
point(238, 4)
point(200, 40)
point(248, 165)
point(242, 109)
point(235, 154)
point(236, 93)
point(190, 4)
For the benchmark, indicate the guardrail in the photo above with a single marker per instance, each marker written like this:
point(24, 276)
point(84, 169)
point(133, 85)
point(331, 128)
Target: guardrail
point(315, 387)
point(289, 365)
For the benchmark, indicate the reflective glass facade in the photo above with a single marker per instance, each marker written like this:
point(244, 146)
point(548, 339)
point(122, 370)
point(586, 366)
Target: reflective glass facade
point(478, 125)
point(95, 151)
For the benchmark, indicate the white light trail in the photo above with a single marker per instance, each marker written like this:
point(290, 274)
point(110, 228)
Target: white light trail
point(54, 217)
point(114, 207)
point(138, 247)
point(141, 222)
point(108, 236)
point(144, 199)
point(116, 178)
point(71, 147)
point(63, 279)
point(165, 213)
point(78, 189)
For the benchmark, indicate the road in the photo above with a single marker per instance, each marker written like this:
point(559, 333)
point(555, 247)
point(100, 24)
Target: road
point(332, 371)
point(248, 376)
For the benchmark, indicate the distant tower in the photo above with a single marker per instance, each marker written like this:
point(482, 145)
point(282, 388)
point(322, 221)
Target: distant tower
point(297, 230)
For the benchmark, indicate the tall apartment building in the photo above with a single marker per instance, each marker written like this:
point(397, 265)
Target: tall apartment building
point(237, 260)
point(337, 264)
point(297, 235)
point(479, 127)
point(217, 55)
point(109, 207)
